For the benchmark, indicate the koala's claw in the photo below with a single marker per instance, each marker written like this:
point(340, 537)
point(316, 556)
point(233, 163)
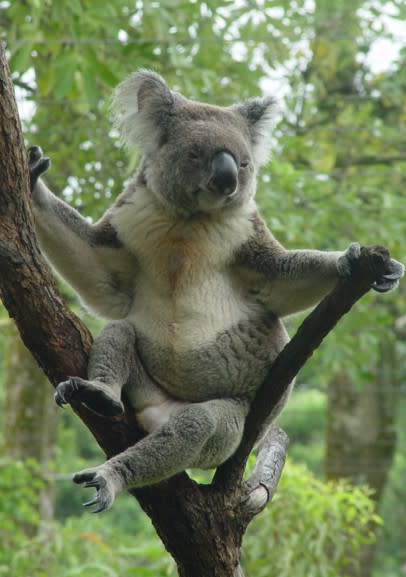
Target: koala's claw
point(37, 164)
point(65, 391)
point(390, 279)
point(87, 392)
point(104, 496)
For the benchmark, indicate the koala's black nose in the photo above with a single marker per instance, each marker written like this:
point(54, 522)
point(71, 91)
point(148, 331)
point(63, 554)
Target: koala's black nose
point(224, 173)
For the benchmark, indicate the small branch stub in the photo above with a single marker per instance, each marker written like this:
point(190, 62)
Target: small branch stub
point(263, 482)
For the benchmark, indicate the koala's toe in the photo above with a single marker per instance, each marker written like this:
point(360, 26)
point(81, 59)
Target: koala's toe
point(85, 476)
point(34, 154)
point(66, 390)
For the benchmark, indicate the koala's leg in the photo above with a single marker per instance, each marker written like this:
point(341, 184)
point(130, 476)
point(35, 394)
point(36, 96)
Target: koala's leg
point(111, 364)
point(201, 435)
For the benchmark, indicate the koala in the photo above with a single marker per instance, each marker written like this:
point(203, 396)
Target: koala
point(191, 281)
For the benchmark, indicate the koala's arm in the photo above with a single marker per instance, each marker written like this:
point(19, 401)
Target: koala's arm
point(89, 257)
point(290, 281)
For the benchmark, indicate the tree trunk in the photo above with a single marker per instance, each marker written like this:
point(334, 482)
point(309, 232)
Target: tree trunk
point(201, 526)
point(30, 416)
point(361, 438)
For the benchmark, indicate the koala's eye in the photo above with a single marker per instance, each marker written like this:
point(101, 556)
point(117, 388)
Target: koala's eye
point(244, 164)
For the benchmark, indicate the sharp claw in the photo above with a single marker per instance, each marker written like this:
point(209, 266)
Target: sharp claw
point(99, 509)
point(96, 501)
point(383, 287)
point(60, 400)
point(393, 276)
point(63, 395)
point(93, 501)
point(73, 384)
point(390, 279)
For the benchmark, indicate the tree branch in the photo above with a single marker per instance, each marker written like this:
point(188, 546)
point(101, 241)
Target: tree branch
point(264, 479)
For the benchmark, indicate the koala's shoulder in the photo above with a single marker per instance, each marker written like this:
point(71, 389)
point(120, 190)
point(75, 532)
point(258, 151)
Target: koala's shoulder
point(259, 248)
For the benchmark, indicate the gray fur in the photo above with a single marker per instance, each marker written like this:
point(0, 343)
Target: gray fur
point(191, 277)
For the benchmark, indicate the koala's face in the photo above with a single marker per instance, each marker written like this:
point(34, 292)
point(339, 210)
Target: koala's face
point(204, 162)
point(197, 158)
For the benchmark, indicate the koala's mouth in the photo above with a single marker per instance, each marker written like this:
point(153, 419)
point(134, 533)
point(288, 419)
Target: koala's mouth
point(231, 196)
point(208, 200)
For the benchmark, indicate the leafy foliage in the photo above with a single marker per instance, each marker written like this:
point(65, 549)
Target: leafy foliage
point(83, 546)
point(20, 483)
point(335, 519)
point(305, 419)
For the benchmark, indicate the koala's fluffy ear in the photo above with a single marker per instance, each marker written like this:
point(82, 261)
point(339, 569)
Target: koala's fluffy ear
point(141, 107)
point(258, 114)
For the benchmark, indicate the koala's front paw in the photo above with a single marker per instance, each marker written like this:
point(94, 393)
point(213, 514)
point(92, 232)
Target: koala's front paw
point(37, 164)
point(92, 395)
point(105, 490)
point(386, 282)
point(390, 279)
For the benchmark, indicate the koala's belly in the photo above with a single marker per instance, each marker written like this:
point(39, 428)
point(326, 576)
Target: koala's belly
point(231, 363)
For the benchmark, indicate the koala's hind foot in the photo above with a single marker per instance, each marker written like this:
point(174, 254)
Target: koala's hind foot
point(95, 395)
point(37, 164)
point(104, 484)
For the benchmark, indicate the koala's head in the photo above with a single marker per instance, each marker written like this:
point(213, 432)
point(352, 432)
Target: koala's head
point(196, 157)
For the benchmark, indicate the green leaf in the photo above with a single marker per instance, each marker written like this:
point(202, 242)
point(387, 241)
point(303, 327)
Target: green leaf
point(65, 66)
point(21, 58)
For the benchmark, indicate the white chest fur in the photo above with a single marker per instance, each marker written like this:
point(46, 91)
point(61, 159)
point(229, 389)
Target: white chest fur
point(184, 291)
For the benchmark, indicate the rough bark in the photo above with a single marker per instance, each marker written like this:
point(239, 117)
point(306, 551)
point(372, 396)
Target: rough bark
point(201, 526)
